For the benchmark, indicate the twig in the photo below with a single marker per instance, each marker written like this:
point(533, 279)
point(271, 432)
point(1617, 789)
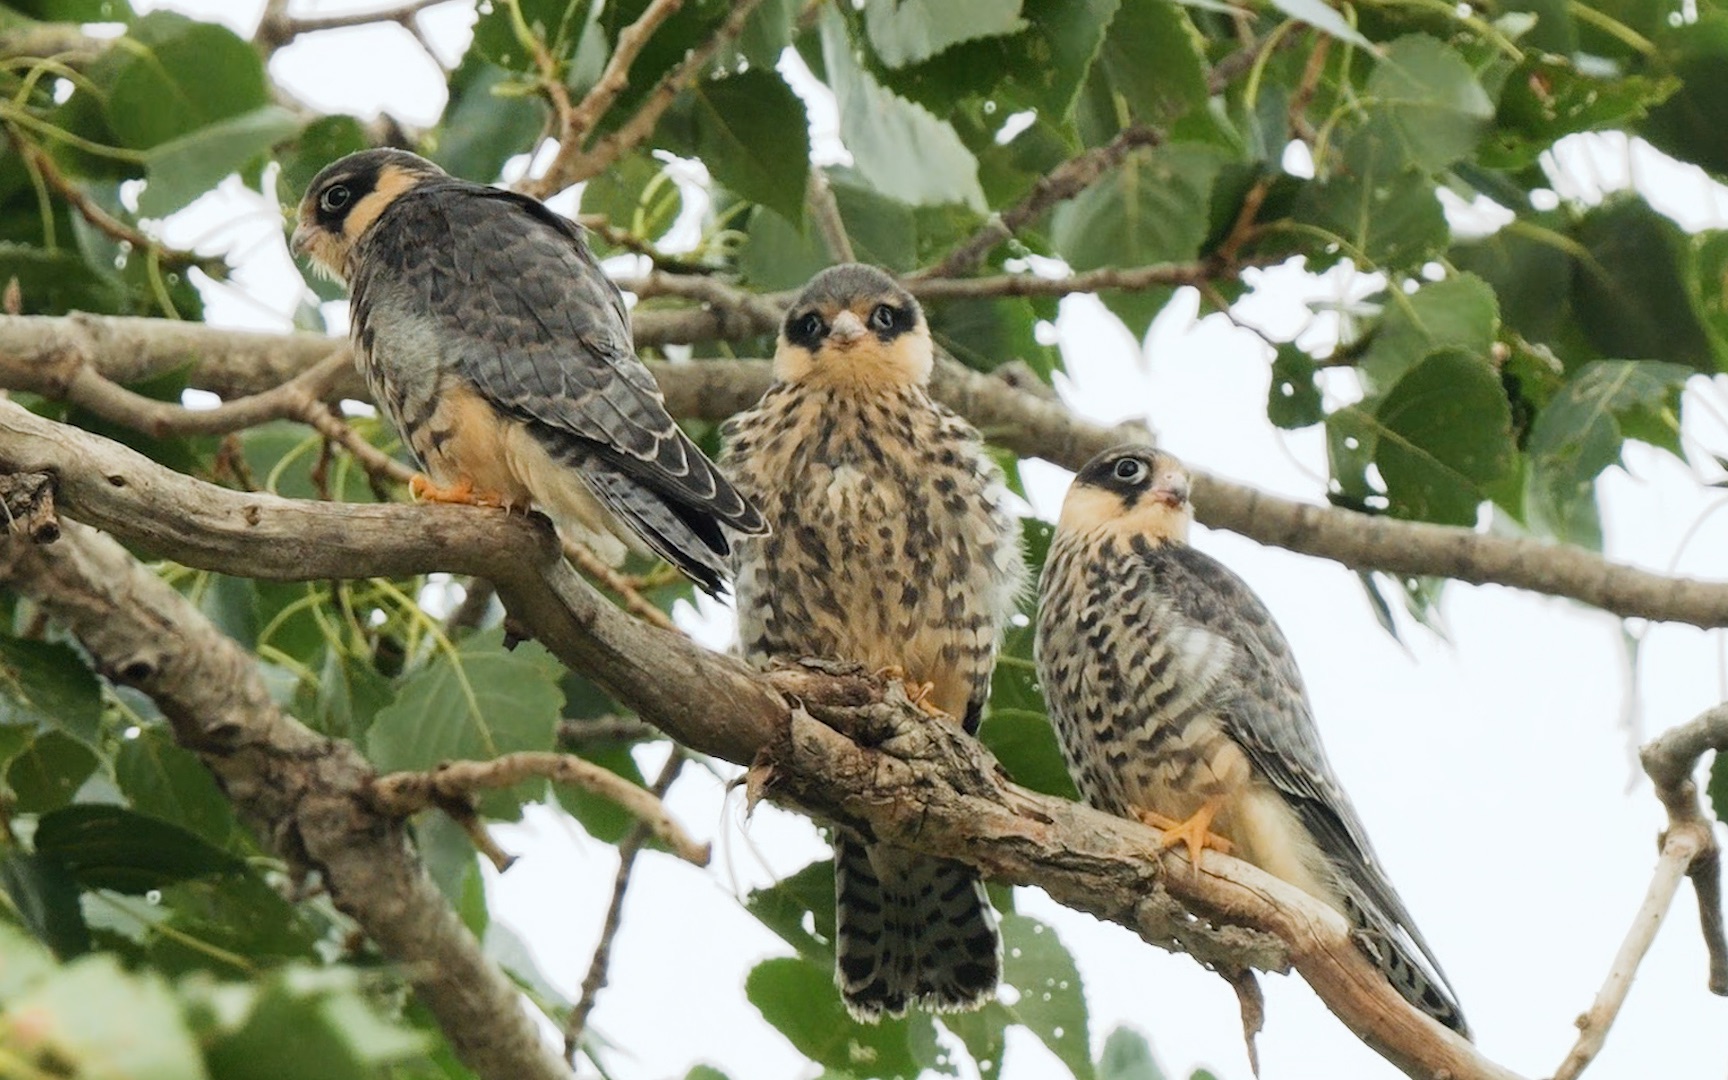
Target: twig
point(605, 729)
point(1689, 848)
point(600, 226)
point(104, 222)
point(819, 197)
point(404, 793)
point(579, 121)
point(1061, 183)
point(600, 965)
point(581, 165)
point(477, 597)
point(620, 586)
point(277, 28)
point(27, 500)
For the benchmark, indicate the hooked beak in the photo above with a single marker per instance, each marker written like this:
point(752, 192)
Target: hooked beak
point(300, 240)
point(1172, 491)
point(846, 328)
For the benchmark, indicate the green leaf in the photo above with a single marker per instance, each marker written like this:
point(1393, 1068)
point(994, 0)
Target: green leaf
point(1392, 221)
point(319, 143)
point(1322, 17)
point(46, 899)
point(184, 168)
point(798, 997)
point(752, 134)
point(1423, 99)
point(172, 76)
point(482, 127)
point(1439, 436)
point(1547, 98)
point(1154, 208)
point(1531, 276)
point(482, 702)
point(557, 24)
point(1458, 312)
point(899, 148)
point(56, 282)
point(984, 334)
point(1580, 431)
point(1052, 1003)
point(1153, 58)
point(1630, 296)
point(1293, 397)
point(1128, 1056)
point(1688, 125)
point(1717, 788)
point(636, 194)
point(800, 908)
point(307, 1022)
point(110, 847)
point(1048, 63)
point(169, 783)
point(82, 11)
point(48, 773)
point(104, 1022)
point(910, 31)
point(47, 684)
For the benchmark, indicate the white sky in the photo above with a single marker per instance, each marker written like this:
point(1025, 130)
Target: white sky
point(1494, 770)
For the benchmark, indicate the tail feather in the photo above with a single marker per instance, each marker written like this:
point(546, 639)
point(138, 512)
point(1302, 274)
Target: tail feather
point(910, 930)
point(684, 536)
point(1404, 960)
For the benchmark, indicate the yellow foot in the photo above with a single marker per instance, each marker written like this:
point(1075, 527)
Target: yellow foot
point(918, 693)
point(461, 492)
point(1195, 833)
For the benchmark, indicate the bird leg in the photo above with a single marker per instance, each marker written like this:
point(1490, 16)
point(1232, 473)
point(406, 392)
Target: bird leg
point(461, 492)
point(1195, 833)
point(917, 693)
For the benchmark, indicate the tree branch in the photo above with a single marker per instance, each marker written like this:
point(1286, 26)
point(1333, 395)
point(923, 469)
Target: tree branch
point(1689, 848)
point(403, 794)
point(301, 794)
point(575, 167)
point(1058, 185)
point(853, 750)
point(278, 28)
point(234, 363)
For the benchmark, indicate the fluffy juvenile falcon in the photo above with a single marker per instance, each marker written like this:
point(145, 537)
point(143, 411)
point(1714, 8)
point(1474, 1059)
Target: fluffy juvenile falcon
point(491, 339)
point(893, 547)
point(1177, 701)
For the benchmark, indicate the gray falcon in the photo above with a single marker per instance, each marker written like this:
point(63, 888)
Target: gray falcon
point(492, 340)
point(893, 547)
point(1177, 702)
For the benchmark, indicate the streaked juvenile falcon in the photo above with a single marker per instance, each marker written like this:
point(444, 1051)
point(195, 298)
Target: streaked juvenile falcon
point(1177, 702)
point(492, 340)
point(893, 547)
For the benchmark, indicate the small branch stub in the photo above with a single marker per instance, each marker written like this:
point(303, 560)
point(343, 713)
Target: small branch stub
point(28, 499)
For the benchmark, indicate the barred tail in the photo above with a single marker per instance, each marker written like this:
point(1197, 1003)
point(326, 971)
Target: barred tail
point(910, 930)
point(1401, 955)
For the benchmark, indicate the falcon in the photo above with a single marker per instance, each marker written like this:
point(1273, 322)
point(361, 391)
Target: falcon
point(1177, 702)
point(502, 354)
point(893, 546)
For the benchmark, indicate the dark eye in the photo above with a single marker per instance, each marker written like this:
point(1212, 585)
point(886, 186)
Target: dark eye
point(334, 198)
point(809, 326)
point(1131, 470)
point(882, 318)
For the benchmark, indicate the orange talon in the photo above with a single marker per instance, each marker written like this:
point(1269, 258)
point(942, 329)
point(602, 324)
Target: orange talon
point(917, 693)
point(461, 493)
point(1195, 833)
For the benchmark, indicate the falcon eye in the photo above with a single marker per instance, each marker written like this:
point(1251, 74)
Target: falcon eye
point(882, 318)
point(1131, 470)
point(334, 198)
point(808, 327)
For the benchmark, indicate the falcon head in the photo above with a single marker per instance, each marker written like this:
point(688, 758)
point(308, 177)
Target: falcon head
point(854, 327)
point(1130, 491)
point(345, 199)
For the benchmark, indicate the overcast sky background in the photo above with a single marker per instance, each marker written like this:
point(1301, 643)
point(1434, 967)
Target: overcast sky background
point(1494, 767)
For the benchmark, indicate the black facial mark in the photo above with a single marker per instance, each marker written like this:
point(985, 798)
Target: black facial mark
point(806, 330)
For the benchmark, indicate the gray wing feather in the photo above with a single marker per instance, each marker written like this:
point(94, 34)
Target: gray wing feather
point(535, 324)
point(1269, 716)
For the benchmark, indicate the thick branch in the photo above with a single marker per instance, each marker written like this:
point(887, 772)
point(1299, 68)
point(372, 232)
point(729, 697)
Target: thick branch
point(302, 794)
point(235, 363)
point(404, 793)
point(915, 783)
